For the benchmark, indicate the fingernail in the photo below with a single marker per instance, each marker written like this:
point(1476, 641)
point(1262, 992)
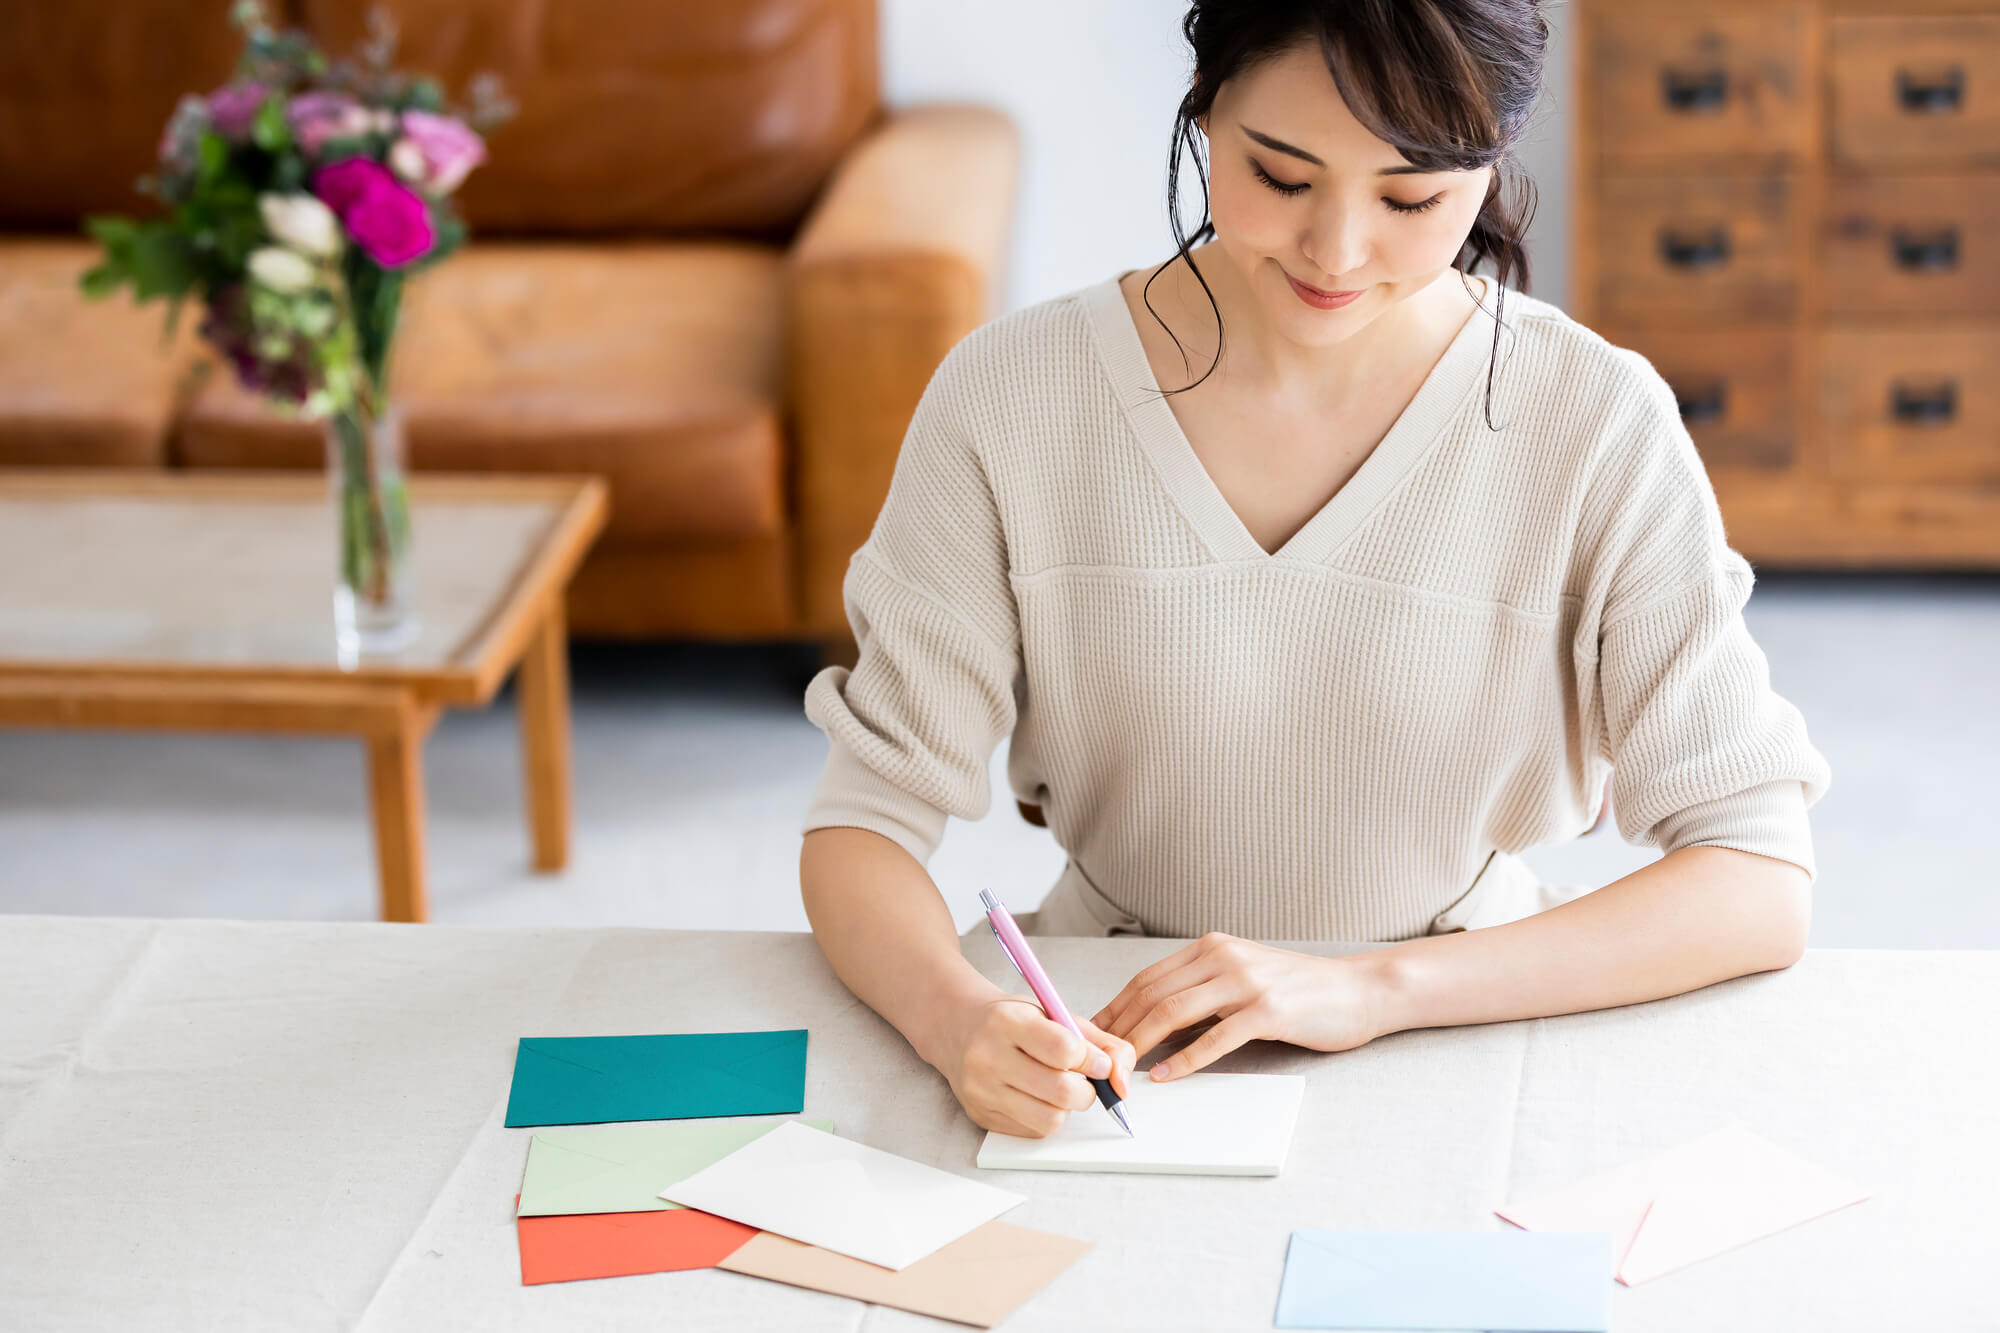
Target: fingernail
point(1100, 1065)
point(1160, 1072)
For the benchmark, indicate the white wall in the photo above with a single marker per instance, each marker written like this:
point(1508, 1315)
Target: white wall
point(1093, 85)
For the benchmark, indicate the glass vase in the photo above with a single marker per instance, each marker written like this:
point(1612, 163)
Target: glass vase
point(373, 612)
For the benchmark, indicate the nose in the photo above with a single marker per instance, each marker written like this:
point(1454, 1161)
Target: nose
point(1336, 240)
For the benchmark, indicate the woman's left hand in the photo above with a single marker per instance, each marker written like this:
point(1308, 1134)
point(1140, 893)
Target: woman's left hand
point(1256, 991)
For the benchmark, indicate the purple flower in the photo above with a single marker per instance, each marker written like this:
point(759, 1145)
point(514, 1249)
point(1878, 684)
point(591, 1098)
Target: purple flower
point(232, 109)
point(449, 150)
point(319, 117)
point(387, 220)
point(227, 327)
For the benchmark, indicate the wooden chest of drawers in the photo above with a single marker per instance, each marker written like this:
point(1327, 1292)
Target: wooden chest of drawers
point(1792, 208)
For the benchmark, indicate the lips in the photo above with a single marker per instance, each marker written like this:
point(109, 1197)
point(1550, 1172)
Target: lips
point(1321, 291)
point(1319, 298)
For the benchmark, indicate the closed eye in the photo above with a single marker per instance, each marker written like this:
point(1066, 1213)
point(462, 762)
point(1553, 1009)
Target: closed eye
point(1291, 188)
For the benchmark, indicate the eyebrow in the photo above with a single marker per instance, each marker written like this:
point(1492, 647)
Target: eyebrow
point(1280, 146)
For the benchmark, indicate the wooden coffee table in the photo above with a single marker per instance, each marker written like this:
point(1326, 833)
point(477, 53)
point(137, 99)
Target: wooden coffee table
point(204, 601)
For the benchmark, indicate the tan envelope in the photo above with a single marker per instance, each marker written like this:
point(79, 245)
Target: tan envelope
point(980, 1278)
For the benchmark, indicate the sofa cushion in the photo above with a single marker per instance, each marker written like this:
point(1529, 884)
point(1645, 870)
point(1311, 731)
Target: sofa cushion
point(656, 366)
point(83, 383)
point(680, 116)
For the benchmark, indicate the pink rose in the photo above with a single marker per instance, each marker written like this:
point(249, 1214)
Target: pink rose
point(339, 185)
point(448, 147)
point(232, 109)
point(390, 222)
point(316, 118)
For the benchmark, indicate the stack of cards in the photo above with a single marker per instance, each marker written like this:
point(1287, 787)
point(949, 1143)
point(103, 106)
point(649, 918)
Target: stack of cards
point(785, 1200)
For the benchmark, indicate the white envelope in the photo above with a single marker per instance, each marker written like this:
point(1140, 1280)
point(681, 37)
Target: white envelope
point(842, 1196)
point(1691, 1202)
point(1197, 1125)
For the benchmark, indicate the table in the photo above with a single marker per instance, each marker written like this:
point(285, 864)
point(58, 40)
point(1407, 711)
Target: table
point(203, 601)
point(215, 1125)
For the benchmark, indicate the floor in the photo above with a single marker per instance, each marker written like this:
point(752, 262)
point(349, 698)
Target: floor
point(694, 763)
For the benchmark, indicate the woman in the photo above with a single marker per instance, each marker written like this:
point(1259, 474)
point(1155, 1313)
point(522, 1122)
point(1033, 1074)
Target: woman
point(1311, 644)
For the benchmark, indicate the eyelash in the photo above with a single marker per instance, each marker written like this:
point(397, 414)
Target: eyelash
point(1395, 207)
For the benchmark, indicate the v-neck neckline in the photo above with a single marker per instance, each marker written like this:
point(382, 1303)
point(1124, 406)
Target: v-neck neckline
point(1195, 493)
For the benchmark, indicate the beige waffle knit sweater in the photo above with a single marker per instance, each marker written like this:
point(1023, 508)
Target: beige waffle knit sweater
point(1328, 741)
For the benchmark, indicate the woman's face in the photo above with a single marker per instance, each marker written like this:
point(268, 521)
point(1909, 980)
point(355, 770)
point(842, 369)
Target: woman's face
point(1337, 224)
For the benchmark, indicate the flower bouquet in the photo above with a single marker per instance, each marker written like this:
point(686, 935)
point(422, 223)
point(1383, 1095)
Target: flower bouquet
point(299, 198)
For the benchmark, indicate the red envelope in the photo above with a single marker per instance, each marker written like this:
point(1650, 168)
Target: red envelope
point(564, 1249)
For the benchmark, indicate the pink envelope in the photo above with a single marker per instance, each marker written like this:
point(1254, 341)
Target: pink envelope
point(1691, 1203)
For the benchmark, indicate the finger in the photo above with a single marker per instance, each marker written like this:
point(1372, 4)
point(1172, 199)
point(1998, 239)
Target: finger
point(1184, 1009)
point(1211, 1046)
point(1119, 1049)
point(1108, 1015)
point(1186, 977)
point(1032, 1113)
point(1063, 1089)
point(1123, 1058)
point(1050, 1042)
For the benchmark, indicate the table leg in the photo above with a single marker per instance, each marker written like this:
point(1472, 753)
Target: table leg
point(543, 700)
point(396, 795)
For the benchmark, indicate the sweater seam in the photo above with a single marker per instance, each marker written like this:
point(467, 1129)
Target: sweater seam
point(1130, 574)
point(931, 600)
point(1674, 593)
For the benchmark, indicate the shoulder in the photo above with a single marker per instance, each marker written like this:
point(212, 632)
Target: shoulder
point(1029, 347)
point(1591, 373)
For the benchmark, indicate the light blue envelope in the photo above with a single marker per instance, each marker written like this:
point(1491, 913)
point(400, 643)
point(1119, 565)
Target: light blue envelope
point(1495, 1281)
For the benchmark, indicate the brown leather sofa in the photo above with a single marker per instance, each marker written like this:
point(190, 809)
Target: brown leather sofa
point(708, 265)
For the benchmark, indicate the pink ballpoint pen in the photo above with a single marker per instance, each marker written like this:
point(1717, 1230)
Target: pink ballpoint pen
point(1015, 945)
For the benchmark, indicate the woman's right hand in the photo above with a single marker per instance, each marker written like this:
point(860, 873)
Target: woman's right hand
point(1018, 1071)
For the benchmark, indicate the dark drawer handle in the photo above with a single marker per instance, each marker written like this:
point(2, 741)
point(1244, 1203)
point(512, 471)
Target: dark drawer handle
point(1927, 252)
point(1702, 404)
point(1681, 250)
point(1694, 90)
point(1927, 405)
point(1937, 97)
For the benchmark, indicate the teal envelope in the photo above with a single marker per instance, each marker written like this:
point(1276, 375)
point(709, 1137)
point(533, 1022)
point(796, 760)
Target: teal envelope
point(1496, 1281)
point(588, 1080)
point(623, 1168)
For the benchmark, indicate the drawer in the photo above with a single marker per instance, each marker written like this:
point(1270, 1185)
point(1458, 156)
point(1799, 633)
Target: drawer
point(1912, 404)
point(1676, 246)
point(1911, 245)
point(1922, 89)
point(1700, 82)
point(1737, 389)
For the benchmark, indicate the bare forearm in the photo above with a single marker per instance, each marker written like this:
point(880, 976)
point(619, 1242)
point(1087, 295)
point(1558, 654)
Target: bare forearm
point(1694, 917)
point(882, 924)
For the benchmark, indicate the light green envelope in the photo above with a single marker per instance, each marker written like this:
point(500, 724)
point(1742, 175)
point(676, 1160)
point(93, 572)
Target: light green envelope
point(623, 1168)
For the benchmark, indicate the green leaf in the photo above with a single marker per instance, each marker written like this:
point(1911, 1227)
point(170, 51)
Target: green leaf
point(101, 281)
point(113, 233)
point(424, 95)
point(211, 157)
point(162, 262)
point(269, 130)
point(288, 174)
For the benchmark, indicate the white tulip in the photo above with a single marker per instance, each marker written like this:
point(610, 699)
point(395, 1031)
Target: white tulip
point(301, 222)
point(407, 160)
point(281, 270)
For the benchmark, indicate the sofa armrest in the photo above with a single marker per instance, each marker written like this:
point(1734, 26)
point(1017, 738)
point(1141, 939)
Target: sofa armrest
point(900, 258)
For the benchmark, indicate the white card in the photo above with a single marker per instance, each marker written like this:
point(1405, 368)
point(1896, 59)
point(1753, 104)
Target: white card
point(1197, 1125)
point(842, 1196)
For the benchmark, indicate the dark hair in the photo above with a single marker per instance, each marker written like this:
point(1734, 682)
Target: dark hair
point(1450, 83)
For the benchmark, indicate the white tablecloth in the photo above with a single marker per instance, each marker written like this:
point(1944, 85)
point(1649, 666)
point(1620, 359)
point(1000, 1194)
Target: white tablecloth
point(212, 1125)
